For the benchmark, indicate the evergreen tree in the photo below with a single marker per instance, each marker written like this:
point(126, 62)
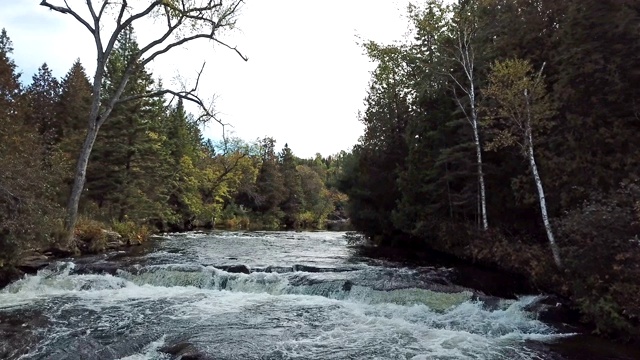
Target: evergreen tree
point(43, 96)
point(120, 176)
point(72, 109)
point(74, 105)
point(28, 213)
point(269, 184)
point(9, 79)
point(185, 154)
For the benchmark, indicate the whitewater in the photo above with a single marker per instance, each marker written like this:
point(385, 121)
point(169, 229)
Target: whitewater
point(262, 295)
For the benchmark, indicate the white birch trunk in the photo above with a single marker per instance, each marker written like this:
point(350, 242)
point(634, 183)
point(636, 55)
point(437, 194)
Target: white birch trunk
point(543, 207)
point(483, 197)
point(467, 60)
point(536, 177)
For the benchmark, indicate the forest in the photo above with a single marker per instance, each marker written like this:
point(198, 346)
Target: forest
point(150, 170)
point(505, 133)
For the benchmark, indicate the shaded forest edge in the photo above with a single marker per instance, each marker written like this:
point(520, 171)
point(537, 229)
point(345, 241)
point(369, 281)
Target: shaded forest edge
point(499, 134)
point(151, 170)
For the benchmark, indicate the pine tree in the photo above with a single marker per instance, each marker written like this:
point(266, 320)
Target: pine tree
point(72, 109)
point(74, 103)
point(27, 189)
point(43, 97)
point(186, 160)
point(119, 174)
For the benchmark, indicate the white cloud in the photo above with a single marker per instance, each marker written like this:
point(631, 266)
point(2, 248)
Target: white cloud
point(305, 80)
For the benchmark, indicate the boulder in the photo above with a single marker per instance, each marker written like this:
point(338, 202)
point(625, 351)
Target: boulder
point(32, 263)
point(97, 268)
point(59, 252)
point(553, 309)
point(236, 269)
point(113, 240)
point(347, 286)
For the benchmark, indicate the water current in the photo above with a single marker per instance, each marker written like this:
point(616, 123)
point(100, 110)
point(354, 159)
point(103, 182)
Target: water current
point(275, 295)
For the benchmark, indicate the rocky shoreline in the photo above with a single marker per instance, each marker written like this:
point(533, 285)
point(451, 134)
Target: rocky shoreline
point(31, 262)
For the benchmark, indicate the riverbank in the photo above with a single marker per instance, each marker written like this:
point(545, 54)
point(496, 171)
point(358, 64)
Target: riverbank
point(596, 294)
point(551, 308)
point(90, 237)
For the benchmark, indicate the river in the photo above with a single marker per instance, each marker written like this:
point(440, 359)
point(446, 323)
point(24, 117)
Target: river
point(308, 296)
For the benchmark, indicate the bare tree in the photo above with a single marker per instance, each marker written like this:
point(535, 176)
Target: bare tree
point(183, 21)
point(523, 108)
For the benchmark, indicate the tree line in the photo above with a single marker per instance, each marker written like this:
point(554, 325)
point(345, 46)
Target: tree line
point(150, 164)
point(505, 132)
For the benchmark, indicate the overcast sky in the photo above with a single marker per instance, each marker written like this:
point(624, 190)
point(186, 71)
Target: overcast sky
point(304, 83)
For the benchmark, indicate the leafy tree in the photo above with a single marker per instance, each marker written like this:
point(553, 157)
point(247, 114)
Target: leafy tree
point(293, 201)
point(522, 108)
point(317, 199)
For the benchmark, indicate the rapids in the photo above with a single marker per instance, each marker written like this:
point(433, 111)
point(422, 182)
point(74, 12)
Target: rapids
point(295, 296)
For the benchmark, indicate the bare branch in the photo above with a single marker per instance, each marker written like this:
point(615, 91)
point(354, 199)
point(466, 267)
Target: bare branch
point(123, 7)
point(462, 107)
point(171, 46)
point(187, 95)
point(91, 11)
point(102, 8)
point(540, 73)
point(232, 48)
point(121, 26)
point(463, 88)
point(67, 10)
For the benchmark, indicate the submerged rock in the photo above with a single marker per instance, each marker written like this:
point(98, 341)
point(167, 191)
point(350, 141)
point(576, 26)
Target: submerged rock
point(19, 332)
point(184, 351)
point(9, 275)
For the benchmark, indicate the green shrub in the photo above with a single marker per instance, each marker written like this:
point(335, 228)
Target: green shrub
point(90, 235)
point(132, 233)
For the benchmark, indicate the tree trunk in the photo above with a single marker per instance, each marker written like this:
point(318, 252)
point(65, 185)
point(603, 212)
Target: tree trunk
point(79, 180)
point(543, 203)
point(446, 171)
point(483, 196)
point(528, 143)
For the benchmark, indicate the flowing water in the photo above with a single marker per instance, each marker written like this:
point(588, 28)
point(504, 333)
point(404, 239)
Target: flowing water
point(307, 296)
